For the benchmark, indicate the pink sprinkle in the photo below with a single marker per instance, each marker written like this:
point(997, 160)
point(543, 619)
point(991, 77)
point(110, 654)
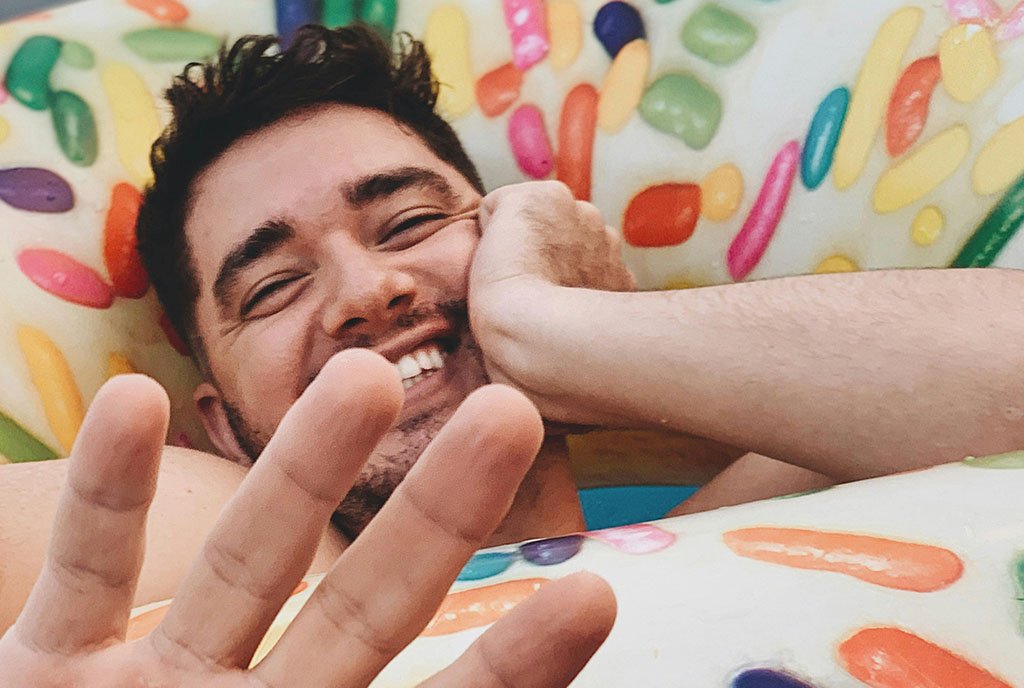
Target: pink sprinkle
point(642, 538)
point(3, 94)
point(1012, 25)
point(752, 240)
point(983, 12)
point(65, 277)
point(526, 21)
point(529, 141)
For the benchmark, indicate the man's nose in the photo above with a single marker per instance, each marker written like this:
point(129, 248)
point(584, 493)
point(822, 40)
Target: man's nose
point(369, 298)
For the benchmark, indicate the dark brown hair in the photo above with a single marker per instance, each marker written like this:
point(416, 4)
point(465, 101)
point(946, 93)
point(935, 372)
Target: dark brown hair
point(251, 85)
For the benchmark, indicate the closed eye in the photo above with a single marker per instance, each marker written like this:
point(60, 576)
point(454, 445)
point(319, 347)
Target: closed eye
point(411, 223)
point(263, 293)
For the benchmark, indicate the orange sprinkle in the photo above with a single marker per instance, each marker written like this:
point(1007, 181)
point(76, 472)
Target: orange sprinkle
point(662, 215)
point(894, 658)
point(144, 623)
point(498, 89)
point(478, 607)
point(908, 107)
point(889, 563)
point(299, 588)
point(167, 11)
point(576, 130)
point(119, 243)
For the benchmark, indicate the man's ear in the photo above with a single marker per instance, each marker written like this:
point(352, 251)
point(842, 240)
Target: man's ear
point(215, 420)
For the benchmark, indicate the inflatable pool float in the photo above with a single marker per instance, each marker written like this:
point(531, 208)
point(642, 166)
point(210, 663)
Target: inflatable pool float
point(730, 140)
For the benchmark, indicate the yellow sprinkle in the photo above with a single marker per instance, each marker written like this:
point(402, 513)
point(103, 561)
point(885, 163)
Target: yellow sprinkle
point(678, 284)
point(447, 42)
point(927, 226)
point(878, 75)
point(623, 86)
point(118, 364)
point(1001, 161)
point(565, 31)
point(967, 53)
point(52, 378)
point(5, 129)
point(135, 119)
point(5, 33)
point(721, 192)
point(836, 264)
point(922, 171)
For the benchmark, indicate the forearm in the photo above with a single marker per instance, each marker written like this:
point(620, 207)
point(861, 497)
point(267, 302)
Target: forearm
point(850, 375)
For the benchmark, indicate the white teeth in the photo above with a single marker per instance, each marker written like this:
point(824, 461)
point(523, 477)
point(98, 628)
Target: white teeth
point(423, 358)
point(436, 358)
point(408, 367)
point(413, 366)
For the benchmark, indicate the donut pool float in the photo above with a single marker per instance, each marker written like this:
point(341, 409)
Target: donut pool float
point(730, 140)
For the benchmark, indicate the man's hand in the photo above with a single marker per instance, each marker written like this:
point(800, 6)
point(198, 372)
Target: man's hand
point(378, 596)
point(538, 247)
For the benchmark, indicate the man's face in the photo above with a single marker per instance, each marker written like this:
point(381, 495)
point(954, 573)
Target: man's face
point(327, 230)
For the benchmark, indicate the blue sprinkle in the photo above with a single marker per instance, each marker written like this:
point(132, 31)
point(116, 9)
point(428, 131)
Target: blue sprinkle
point(552, 551)
point(291, 14)
point(486, 565)
point(616, 24)
point(823, 136)
point(767, 678)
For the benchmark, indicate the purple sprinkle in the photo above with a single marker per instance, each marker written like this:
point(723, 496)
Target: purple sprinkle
point(616, 24)
point(552, 551)
point(36, 190)
point(767, 678)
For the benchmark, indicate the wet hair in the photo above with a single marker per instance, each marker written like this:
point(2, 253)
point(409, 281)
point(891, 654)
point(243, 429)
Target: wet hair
point(251, 85)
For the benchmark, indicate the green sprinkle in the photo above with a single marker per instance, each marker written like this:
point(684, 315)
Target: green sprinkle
point(1008, 461)
point(172, 45)
point(718, 35)
point(995, 231)
point(680, 105)
point(19, 446)
point(77, 55)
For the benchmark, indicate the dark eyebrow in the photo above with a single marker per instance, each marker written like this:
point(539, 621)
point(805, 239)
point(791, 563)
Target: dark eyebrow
point(383, 184)
point(263, 241)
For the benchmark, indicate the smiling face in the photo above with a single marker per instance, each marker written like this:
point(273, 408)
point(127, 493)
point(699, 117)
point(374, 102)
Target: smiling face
point(329, 229)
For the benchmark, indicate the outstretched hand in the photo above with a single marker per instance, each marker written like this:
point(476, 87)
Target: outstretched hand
point(375, 600)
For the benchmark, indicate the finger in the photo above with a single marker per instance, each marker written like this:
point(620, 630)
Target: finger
point(265, 540)
point(387, 586)
point(589, 215)
point(85, 591)
point(544, 643)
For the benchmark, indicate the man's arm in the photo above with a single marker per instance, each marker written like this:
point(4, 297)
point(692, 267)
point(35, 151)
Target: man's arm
point(191, 492)
point(849, 375)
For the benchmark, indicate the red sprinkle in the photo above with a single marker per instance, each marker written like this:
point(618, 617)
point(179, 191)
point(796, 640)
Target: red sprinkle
point(908, 107)
point(498, 89)
point(576, 129)
point(167, 11)
point(120, 245)
point(662, 215)
point(172, 335)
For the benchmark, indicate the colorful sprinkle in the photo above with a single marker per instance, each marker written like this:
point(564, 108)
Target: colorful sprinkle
point(146, 622)
point(467, 609)
point(51, 376)
point(335, 13)
point(908, 107)
point(718, 35)
point(119, 364)
point(486, 565)
point(894, 658)
point(292, 14)
point(662, 215)
point(17, 445)
point(721, 192)
point(447, 40)
point(995, 231)
point(920, 173)
point(120, 252)
point(767, 678)
point(616, 25)
point(623, 86)
point(167, 11)
point(974, 11)
point(381, 15)
point(5, 129)
point(1012, 25)
point(878, 76)
point(529, 140)
point(552, 551)
point(1012, 105)
point(173, 338)
point(927, 226)
point(681, 105)
point(970, 65)
point(1001, 161)
point(752, 241)
point(498, 89)
point(576, 130)
point(65, 278)
point(75, 126)
point(28, 75)
point(889, 563)
point(135, 119)
point(836, 264)
point(565, 31)
point(642, 538)
point(36, 190)
point(77, 55)
point(525, 20)
point(822, 137)
point(172, 44)
point(1009, 461)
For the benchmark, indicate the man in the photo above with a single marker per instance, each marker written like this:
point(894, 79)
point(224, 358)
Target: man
point(312, 202)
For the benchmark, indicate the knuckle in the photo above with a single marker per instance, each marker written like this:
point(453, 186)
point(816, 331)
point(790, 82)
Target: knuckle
point(232, 566)
point(351, 617)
